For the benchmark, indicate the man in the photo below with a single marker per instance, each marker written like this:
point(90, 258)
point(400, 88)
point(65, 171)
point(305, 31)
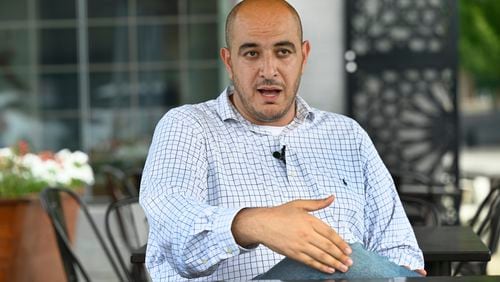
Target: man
point(233, 184)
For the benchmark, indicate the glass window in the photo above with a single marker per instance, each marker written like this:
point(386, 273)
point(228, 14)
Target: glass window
point(203, 85)
point(57, 9)
point(110, 89)
point(119, 137)
point(202, 7)
point(127, 92)
point(14, 47)
point(58, 91)
point(157, 8)
point(61, 132)
point(158, 43)
point(111, 128)
point(16, 123)
point(14, 80)
point(203, 41)
point(107, 8)
point(13, 10)
point(102, 129)
point(108, 44)
point(58, 46)
point(159, 88)
point(147, 121)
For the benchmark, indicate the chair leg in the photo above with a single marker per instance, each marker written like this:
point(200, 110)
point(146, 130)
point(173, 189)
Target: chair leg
point(139, 273)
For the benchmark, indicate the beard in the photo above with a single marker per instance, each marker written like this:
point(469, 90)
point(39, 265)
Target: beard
point(266, 115)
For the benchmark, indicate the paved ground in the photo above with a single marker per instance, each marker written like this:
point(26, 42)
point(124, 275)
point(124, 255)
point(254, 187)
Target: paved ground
point(90, 252)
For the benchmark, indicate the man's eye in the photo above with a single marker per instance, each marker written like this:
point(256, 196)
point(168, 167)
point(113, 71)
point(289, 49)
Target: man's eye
point(251, 54)
point(284, 52)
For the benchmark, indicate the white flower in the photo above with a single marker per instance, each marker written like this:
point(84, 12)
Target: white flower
point(75, 165)
point(30, 161)
point(63, 169)
point(6, 153)
point(80, 157)
point(63, 155)
point(82, 173)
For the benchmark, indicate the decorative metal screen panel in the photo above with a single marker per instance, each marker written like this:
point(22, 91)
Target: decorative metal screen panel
point(401, 65)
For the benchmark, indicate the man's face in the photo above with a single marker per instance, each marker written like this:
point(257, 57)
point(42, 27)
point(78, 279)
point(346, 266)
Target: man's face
point(265, 61)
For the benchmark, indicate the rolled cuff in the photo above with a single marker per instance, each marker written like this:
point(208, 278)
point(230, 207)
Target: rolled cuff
point(224, 235)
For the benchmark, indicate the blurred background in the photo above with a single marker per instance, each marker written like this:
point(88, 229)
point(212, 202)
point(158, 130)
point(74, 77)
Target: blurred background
point(422, 77)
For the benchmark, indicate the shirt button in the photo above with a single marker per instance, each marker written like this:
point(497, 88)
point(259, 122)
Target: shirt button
point(204, 261)
point(293, 173)
point(229, 251)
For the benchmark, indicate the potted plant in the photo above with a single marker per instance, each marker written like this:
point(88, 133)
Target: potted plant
point(28, 250)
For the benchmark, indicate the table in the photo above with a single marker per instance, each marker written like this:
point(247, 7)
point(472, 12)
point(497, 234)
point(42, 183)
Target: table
point(445, 244)
point(422, 279)
point(440, 246)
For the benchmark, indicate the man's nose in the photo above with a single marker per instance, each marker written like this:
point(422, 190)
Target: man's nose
point(268, 68)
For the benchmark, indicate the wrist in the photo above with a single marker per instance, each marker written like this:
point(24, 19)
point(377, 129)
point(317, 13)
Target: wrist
point(246, 227)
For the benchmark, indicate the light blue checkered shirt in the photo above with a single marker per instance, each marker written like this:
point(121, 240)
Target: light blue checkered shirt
point(206, 162)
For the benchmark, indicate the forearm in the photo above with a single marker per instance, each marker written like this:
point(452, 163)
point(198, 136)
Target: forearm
point(290, 230)
point(186, 232)
point(194, 237)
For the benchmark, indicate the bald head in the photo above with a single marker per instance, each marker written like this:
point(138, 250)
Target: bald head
point(256, 7)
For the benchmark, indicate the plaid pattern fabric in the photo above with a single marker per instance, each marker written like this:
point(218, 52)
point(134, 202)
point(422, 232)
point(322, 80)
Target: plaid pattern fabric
point(206, 162)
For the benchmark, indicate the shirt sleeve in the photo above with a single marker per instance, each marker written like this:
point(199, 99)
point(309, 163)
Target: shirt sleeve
point(388, 230)
point(185, 232)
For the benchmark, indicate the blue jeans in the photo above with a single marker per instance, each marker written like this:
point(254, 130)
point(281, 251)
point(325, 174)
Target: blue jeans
point(365, 265)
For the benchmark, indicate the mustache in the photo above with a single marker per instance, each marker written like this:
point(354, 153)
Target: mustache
point(270, 82)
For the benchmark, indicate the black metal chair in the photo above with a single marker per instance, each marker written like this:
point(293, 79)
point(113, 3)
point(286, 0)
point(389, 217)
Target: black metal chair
point(118, 184)
point(51, 202)
point(129, 217)
point(419, 206)
point(123, 190)
point(421, 212)
point(486, 224)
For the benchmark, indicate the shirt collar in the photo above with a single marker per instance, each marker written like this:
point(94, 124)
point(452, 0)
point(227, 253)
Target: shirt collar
point(227, 111)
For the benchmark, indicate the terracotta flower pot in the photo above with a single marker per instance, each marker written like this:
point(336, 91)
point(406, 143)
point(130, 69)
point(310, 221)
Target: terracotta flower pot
point(28, 248)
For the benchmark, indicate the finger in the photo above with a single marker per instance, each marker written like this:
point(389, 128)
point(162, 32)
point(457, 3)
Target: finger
point(314, 205)
point(325, 258)
point(333, 237)
point(330, 248)
point(311, 262)
point(422, 272)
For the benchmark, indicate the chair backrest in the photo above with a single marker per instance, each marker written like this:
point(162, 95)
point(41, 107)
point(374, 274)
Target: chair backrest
point(118, 183)
point(126, 228)
point(485, 221)
point(51, 202)
point(419, 206)
point(421, 212)
point(486, 224)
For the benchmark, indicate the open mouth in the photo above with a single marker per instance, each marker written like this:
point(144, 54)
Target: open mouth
point(269, 91)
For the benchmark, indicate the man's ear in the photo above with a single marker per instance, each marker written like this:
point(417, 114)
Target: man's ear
point(306, 49)
point(225, 55)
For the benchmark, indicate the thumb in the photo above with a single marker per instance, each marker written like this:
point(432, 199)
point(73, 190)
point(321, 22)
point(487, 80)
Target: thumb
point(314, 205)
